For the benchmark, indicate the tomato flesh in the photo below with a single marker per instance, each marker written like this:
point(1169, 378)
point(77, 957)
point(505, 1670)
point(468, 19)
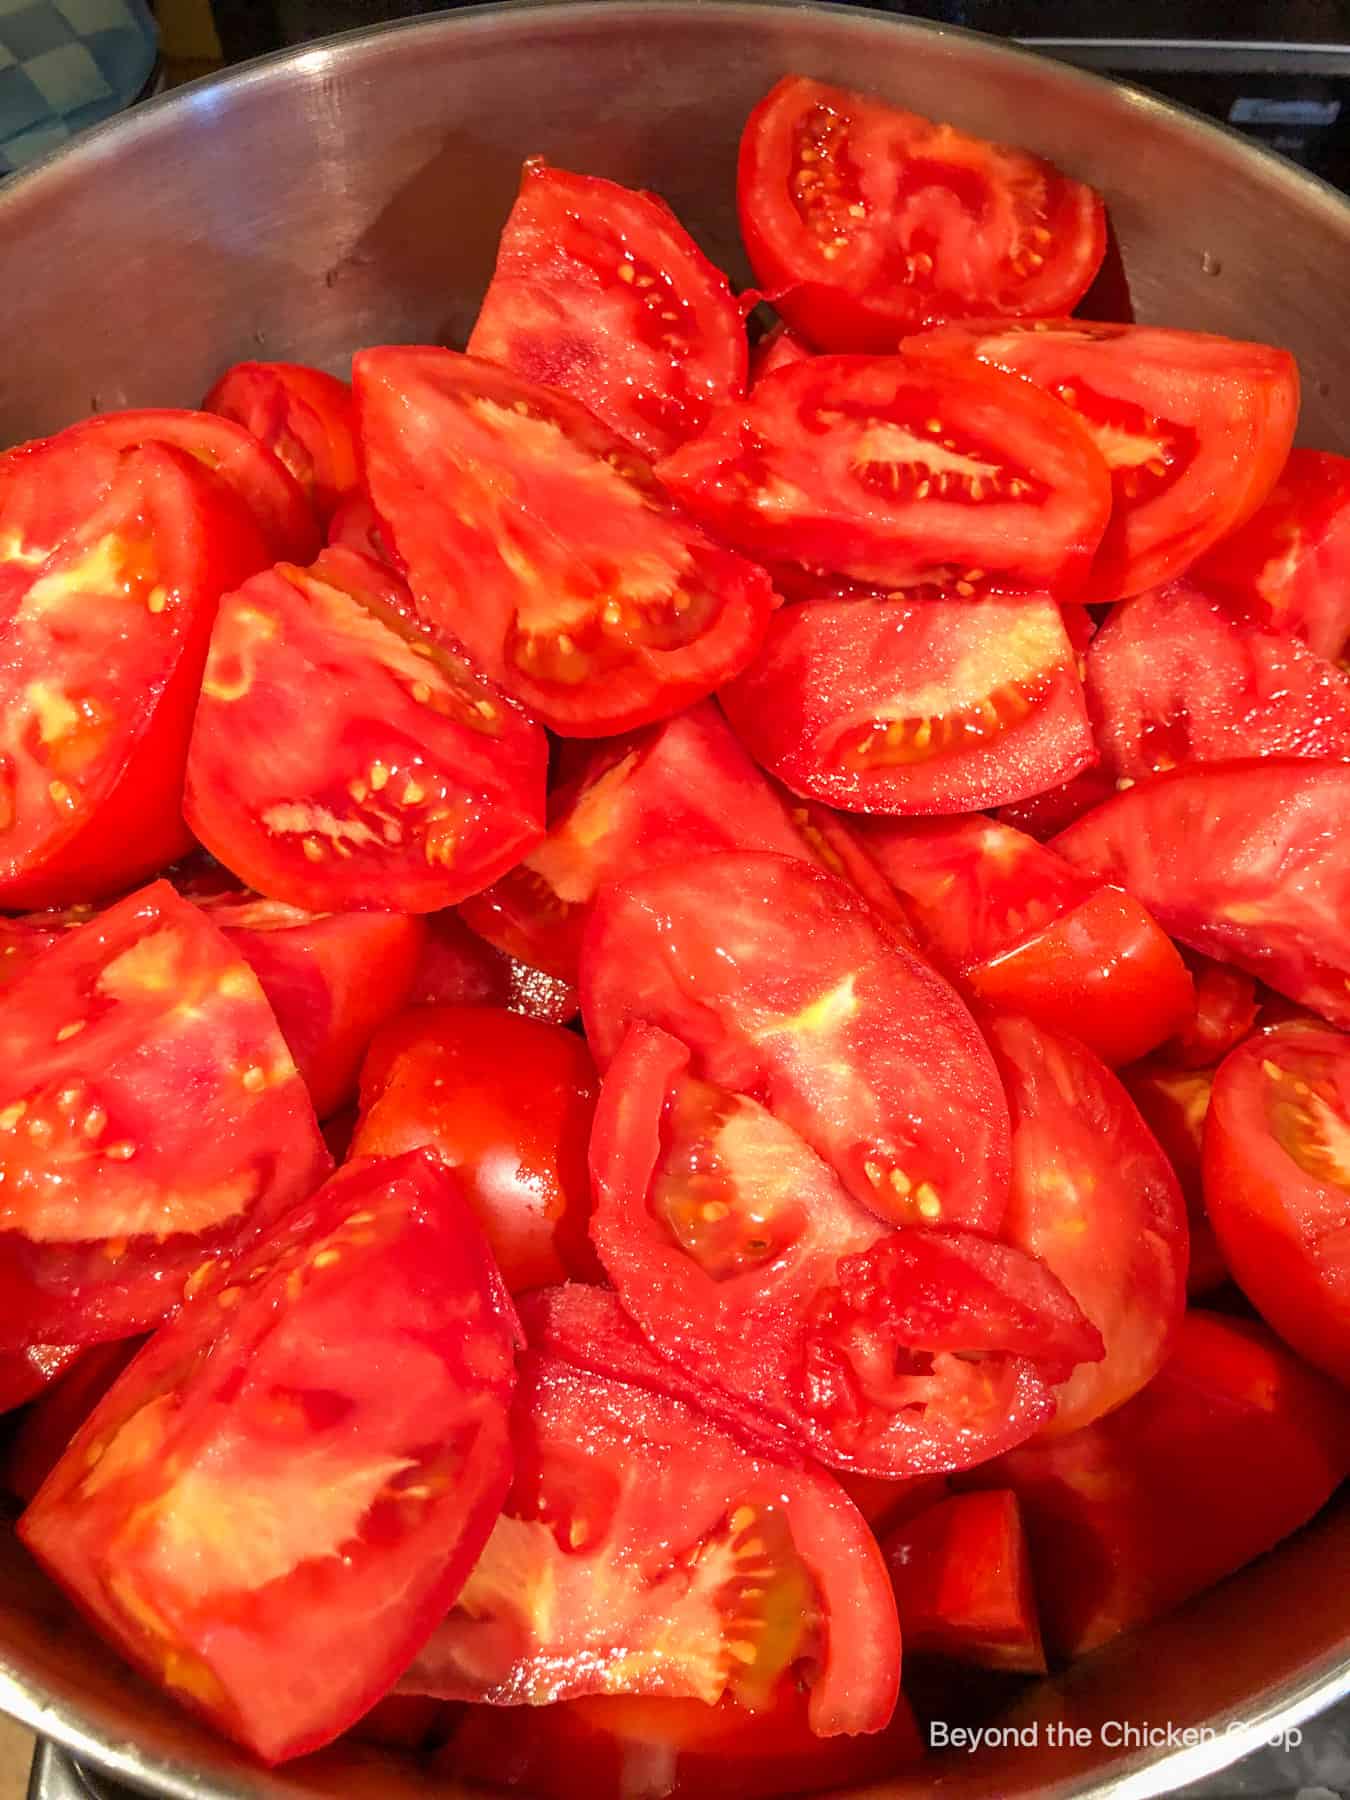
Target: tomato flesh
point(45, 1431)
point(24, 1374)
point(304, 417)
point(1226, 1008)
point(777, 349)
point(1173, 1102)
point(459, 968)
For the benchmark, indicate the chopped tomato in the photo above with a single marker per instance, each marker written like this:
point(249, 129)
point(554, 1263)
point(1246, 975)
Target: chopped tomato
point(357, 526)
point(957, 480)
point(24, 939)
point(1194, 429)
point(777, 349)
point(1054, 809)
point(600, 291)
point(24, 1374)
point(1173, 1101)
point(304, 417)
point(865, 222)
point(1226, 1008)
point(788, 989)
point(539, 538)
point(345, 756)
point(150, 1117)
point(884, 1503)
point(459, 968)
point(44, 1433)
point(312, 1453)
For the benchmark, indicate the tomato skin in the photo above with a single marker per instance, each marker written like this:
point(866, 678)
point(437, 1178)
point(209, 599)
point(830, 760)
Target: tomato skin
point(1226, 1008)
point(507, 1103)
point(779, 348)
point(45, 1431)
point(394, 1448)
point(24, 1374)
point(1044, 815)
point(459, 968)
point(304, 417)
point(1173, 1101)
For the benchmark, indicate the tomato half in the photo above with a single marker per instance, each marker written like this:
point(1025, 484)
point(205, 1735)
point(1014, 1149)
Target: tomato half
point(866, 222)
point(344, 756)
point(544, 543)
point(1173, 1102)
point(1194, 429)
point(777, 349)
point(1277, 1184)
point(150, 1117)
point(24, 1374)
point(1247, 862)
point(44, 1433)
point(902, 474)
point(304, 417)
point(459, 968)
point(788, 989)
point(600, 291)
point(312, 1453)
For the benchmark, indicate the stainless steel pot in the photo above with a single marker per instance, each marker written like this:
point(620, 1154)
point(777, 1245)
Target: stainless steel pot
point(351, 193)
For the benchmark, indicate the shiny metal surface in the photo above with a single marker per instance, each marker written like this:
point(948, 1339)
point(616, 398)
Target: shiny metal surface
point(351, 193)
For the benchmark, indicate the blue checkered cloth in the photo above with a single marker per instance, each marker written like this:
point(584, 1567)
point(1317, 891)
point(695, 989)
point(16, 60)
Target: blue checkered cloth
point(66, 64)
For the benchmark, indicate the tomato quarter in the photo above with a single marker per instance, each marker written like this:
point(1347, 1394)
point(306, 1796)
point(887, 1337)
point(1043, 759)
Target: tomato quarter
point(304, 417)
point(1173, 1102)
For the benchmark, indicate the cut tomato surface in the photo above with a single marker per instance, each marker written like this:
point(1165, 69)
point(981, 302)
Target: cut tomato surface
point(46, 1429)
point(151, 1116)
point(1173, 1101)
point(788, 989)
point(24, 1374)
point(1226, 1008)
point(600, 291)
point(459, 968)
point(777, 349)
point(1194, 429)
point(1054, 809)
point(24, 939)
point(866, 222)
point(543, 541)
point(314, 1451)
point(357, 526)
point(304, 417)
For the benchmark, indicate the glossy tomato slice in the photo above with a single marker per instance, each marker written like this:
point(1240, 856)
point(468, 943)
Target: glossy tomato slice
point(459, 968)
point(313, 1452)
point(777, 349)
point(344, 756)
point(787, 988)
point(914, 706)
point(1277, 1184)
point(600, 291)
point(543, 542)
point(110, 570)
point(902, 474)
point(1248, 862)
point(24, 939)
point(866, 222)
point(304, 417)
point(1173, 1102)
point(1194, 429)
point(44, 1433)
point(150, 1117)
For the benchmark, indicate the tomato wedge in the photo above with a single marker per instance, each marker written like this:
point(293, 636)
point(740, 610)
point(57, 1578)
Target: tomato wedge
point(600, 291)
point(777, 349)
point(304, 417)
point(114, 1184)
point(23, 940)
point(1194, 429)
point(1226, 1008)
point(901, 474)
point(1043, 815)
point(44, 1433)
point(866, 222)
point(313, 1452)
point(787, 988)
point(1173, 1102)
point(24, 1374)
point(544, 543)
point(459, 968)
point(357, 526)
point(344, 756)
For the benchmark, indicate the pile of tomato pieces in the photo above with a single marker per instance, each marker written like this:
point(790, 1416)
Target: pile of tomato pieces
point(642, 979)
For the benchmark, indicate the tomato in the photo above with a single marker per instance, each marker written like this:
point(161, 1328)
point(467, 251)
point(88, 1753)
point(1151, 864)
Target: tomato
point(24, 1374)
point(641, 1550)
point(889, 1351)
point(357, 526)
point(1288, 568)
point(45, 1431)
point(1094, 1197)
point(1245, 861)
point(1232, 1446)
point(600, 291)
point(902, 474)
point(312, 1453)
point(150, 1117)
point(787, 988)
point(1226, 1008)
point(110, 570)
point(1194, 429)
point(884, 1503)
point(23, 940)
point(963, 1585)
point(1172, 679)
point(779, 348)
point(304, 417)
point(545, 544)
point(507, 1103)
point(866, 222)
point(1022, 930)
point(458, 968)
point(405, 1722)
point(343, 756)
point(1277, 1184)
point(1173, 1101)
point(1043, 815)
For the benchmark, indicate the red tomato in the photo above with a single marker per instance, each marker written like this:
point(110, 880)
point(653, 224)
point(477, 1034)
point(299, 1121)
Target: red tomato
point(357, 526)
point(111, 566)
point(1246, 861)
point(1022, 930)
point(507, 1103)
point(1043, 815)
point(777, 349)
point(1173, 1102)
point(885, 1504)
point(866, 222)
point(1172, 679)
point(742, 1258)
point(1226, 1007)
point(1194, 429)
point(150, 1117)
point(1230, 1448)
point(918, 707)
point(459, 969)
point(343, 756)
point(45, 1431)
point(304, 417)
point(786, 987)
point(1288, 568)
point(23, 940)
point(24, 1374)
point(963, 1587)
point(600, 291)
point(1096, 1200)
point(312, 1453)
point(901, 474)
point(544, 543)
point(1277, 1184)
